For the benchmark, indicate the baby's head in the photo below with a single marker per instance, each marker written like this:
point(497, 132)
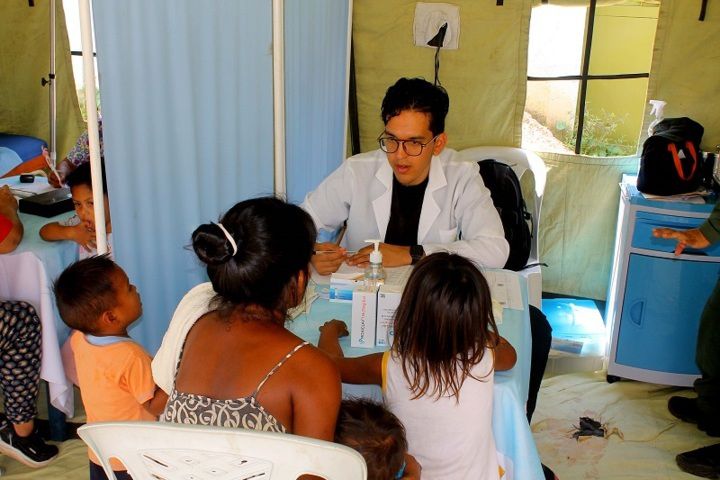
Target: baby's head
point(80, 183)
point(95, 296)
point(376, 433)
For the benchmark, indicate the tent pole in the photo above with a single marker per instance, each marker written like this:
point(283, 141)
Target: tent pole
point(53, 98)
point(279, 97)
point(92, 125)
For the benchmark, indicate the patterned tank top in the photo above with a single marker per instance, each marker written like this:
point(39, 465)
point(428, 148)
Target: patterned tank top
point(243, 412)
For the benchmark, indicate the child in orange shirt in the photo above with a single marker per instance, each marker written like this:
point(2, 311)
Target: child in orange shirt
point(95, 297)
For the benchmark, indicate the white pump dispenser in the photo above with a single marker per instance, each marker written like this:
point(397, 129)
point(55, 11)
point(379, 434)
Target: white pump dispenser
point(658, 107)
point(374, 273)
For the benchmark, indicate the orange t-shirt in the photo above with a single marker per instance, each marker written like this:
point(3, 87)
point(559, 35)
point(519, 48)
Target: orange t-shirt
point(114, 380)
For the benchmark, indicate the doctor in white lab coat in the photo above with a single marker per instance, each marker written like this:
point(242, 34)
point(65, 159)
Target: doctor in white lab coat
point(414, 194)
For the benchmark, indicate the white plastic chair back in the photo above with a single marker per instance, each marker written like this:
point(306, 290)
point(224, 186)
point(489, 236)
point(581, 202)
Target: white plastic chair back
point(521, 161)
point(169, 451)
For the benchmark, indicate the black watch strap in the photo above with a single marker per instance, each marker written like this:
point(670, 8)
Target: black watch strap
point(416, 253)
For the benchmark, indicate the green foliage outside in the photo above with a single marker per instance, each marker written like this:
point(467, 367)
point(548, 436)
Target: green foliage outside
point(81, 100)
point(599, 137)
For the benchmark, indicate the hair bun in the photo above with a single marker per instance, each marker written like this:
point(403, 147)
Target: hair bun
point(211, 245)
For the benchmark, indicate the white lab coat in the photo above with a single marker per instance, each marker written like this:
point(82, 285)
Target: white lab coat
point(457, 214)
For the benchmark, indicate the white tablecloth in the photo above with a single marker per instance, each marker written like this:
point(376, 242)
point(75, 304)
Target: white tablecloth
point(26, 275)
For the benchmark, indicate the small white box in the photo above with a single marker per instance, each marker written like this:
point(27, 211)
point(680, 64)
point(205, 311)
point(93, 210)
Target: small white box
point(342, 293)
point(387, 303)
point(364, 312)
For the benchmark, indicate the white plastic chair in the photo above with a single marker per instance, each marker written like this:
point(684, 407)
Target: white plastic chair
point(169, 451)
point(521, 161)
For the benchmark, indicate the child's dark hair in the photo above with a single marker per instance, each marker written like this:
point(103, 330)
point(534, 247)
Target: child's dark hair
point(84, 291)
point(443, 324)
point(419, 95)
point(81, 176)
point(376, 433)
point(274, 240)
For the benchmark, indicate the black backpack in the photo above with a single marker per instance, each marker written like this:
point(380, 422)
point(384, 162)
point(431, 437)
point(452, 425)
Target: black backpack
point(507, 197)
point(671, 160)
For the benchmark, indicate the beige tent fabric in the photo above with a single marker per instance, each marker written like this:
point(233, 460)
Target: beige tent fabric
point(685, 69)
point(485, 77)
point(578, 222)
point(24, 60)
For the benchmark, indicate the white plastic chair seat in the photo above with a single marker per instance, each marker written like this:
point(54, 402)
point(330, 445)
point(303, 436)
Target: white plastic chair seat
point(169, 451)
point(521, 161)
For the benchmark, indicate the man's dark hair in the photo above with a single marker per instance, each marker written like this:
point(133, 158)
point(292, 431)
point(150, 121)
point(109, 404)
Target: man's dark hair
point(81, 176)
point(84, 291)
point(419, 95)
point(376, 433)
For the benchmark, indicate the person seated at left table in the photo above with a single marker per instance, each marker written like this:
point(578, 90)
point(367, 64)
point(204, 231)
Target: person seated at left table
point(20, 359)
point(80, 228)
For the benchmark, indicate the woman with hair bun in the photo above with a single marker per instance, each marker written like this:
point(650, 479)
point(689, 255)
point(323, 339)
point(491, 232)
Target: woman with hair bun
point(227, 358)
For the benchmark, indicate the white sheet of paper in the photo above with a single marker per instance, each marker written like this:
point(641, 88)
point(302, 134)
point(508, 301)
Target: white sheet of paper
point(505, 288)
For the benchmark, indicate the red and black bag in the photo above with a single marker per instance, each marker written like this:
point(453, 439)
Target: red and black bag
point(671, 160)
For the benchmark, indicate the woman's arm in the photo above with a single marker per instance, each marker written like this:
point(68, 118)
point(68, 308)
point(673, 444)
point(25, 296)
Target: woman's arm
point(505, 355)
point(156, 405)
point(316, 396)
point(365, 370)
point(12, 226)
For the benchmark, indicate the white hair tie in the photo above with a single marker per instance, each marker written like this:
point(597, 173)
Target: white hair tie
point(229, 237)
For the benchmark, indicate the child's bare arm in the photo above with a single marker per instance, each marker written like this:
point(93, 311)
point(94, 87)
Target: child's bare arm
point(156, 405)
point(365, 370)
point(53, 231)
point(505, 355)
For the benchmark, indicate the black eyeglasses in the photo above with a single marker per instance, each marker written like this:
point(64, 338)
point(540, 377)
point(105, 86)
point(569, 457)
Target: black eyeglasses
point(412, 147)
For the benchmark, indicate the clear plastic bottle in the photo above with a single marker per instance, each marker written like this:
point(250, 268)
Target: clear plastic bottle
point(374, 273)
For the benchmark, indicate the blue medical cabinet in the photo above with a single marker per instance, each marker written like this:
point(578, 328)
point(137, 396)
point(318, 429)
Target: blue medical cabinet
point(655, 298)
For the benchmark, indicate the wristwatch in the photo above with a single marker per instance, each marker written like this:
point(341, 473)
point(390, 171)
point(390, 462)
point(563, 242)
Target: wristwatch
point(416, 253)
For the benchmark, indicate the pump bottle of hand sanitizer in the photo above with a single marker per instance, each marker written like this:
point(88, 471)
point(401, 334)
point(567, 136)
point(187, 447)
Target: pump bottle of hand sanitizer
point(374, 273)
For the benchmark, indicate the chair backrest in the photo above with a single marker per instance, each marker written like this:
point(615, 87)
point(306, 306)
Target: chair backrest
point(179, 452)
point(521, 161)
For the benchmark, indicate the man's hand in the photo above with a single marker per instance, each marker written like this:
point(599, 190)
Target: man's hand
point(393, 256)
point(692, 238)
point(328, 258)
point(83, 236)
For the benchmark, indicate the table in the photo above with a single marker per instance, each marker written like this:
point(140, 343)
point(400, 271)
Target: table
point(513, 437)
point(26, 274)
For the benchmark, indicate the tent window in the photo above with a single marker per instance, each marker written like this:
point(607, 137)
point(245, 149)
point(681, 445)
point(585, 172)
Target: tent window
point(588, 69)
point(72, 20)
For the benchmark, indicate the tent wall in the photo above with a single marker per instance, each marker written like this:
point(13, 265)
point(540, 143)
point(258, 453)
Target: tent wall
point(485, 76)
point(686, 66)
point(485, 79)
point(24, 61)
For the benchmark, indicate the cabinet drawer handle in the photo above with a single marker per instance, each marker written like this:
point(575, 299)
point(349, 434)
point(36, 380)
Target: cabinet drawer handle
point(636, 312)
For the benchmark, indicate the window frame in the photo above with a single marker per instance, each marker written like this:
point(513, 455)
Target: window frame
point(584, 76)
